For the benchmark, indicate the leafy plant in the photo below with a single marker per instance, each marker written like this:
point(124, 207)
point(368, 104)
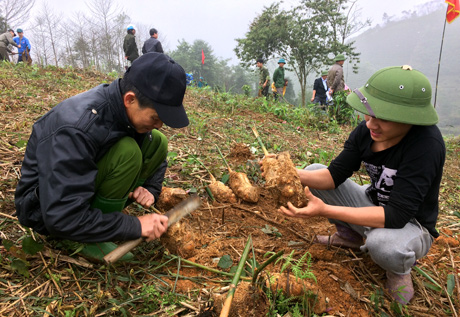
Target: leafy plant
point(296, 266)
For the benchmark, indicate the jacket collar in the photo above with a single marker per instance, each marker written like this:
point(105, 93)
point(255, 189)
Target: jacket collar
point(117, 106)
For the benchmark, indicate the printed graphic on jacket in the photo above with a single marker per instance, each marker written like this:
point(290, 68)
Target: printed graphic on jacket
point(382, 183)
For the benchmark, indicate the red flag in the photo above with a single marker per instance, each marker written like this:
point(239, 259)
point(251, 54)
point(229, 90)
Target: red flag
point(202, 53)
point(453, 10)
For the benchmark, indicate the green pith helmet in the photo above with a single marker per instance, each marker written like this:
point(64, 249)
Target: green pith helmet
point(398, 94)
point(324, 73)
point(282, 61)
point(339, 57)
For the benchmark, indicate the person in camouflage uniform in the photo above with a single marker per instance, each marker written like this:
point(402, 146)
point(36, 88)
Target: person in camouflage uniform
point(264, 78)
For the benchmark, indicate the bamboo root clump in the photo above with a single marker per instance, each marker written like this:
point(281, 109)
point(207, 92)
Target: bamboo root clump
point(221, 192)
point(170, 197)
point(283, 181)
point(242, 187)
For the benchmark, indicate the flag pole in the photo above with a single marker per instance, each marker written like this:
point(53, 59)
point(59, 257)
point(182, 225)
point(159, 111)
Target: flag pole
point(439, 61)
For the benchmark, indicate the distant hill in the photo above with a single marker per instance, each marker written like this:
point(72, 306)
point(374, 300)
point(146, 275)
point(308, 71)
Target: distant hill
point(416, 41)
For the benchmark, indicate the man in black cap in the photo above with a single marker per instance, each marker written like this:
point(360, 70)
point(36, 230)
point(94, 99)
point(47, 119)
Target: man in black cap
point(93, 153)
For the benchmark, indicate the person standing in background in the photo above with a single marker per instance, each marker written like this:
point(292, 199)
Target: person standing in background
point(130, 46)
point(24, 50)
point(152, 44)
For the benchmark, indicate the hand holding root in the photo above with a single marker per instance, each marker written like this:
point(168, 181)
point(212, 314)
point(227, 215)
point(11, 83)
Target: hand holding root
point(314, 208)
point(153, 226)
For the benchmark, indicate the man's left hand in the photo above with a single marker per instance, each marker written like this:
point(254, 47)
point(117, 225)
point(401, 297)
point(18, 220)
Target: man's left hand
point(314, 208)
point(142, 196)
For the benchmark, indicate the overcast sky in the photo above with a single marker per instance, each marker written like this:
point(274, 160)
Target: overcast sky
point(214, 21)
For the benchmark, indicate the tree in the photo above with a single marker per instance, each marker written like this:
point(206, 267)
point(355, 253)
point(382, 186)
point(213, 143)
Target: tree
point(105, 21)
point(14, 12)
point(189, 57)
point(307, 36)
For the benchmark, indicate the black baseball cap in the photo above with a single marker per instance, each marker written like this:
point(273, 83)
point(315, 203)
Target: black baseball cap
point(159, 78)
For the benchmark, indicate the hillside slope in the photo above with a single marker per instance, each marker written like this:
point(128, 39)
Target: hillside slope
point(165, 278)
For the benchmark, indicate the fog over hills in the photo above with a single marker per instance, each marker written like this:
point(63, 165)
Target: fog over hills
point(415, 39)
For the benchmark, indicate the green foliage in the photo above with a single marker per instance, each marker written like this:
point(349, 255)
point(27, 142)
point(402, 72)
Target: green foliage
point(246, 90)
point(216, 72)
point(154, 299)
point(297, 266)
point(225, 262)
point(341, 111)
point(30, 246)
point(269, 230)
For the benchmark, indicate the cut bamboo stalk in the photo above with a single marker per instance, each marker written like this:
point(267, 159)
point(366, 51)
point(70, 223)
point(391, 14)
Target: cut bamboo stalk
point(228, 301)
point(260, 141)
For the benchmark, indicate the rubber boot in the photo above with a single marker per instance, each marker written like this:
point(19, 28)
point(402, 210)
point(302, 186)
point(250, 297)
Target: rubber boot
point(344, 237)
point(400, 287)
point(97, 251)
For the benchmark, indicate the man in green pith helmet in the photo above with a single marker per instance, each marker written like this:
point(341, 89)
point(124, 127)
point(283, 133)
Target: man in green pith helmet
point(96, 152)
point(279, 81)
point(393, 218)
point(335, 79)
point(320, 89)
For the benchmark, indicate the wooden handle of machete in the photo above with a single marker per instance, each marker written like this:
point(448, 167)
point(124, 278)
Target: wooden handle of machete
point(121, 250)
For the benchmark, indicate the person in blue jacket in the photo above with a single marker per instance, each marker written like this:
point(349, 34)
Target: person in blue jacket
point(96, 152)
point(24, 49)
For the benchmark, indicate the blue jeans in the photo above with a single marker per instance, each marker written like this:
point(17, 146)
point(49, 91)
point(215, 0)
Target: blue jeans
point(395, 250)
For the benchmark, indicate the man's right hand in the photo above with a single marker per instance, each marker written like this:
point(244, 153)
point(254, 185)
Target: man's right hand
point(153, 226)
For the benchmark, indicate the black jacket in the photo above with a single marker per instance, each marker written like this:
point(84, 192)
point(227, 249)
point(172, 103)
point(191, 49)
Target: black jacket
point(152, 45)
point(319, 87)
point(59, 168)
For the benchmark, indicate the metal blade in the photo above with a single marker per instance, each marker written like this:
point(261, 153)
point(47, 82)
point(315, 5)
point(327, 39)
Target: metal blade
point(183, 209)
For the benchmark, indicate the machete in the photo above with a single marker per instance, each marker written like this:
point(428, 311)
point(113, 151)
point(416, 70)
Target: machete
point(174, 215)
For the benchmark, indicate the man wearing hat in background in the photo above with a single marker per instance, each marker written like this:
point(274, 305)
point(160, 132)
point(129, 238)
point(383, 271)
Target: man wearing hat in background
point(5, 40)
point(129, 44)
point(24, 50)
point(320, 89)
point(335, 80)
point(394, 217)
point(94, 153)
point(264, 78)
point(278, 79)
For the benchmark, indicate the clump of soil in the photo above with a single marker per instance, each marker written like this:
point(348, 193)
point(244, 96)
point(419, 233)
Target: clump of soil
point(170, 197)
point(247, 301)
point(283, 181)
point(180, 240)
point(296, 287)
point(242, 187)
point(240, 153)
point(221, 192)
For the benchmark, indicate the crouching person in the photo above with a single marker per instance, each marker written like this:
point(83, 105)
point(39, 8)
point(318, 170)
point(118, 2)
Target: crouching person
point(96, 152)
point(393, 218)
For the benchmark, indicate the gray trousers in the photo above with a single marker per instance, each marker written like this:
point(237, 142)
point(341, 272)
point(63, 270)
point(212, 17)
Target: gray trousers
point(395, 250)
